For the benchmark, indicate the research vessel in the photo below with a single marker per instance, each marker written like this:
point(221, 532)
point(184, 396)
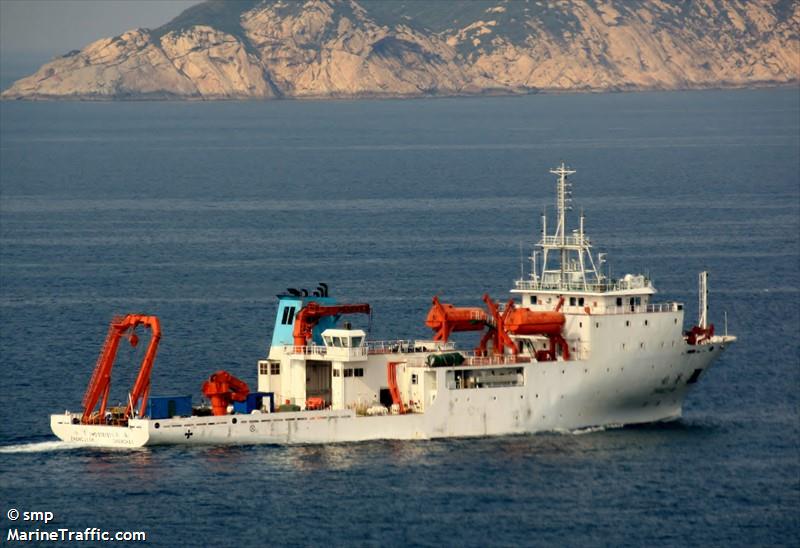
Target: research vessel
point(571, 349)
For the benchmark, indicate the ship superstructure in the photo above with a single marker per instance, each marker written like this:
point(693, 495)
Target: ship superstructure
point(574, 349)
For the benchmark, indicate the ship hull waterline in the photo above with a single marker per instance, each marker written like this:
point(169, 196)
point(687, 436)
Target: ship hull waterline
point(555, 397)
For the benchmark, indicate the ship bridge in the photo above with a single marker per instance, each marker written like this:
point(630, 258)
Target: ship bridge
point(563, 264)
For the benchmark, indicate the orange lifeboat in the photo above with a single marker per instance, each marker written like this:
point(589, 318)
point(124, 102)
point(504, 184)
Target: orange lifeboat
point(446, 318)
point(522, 321)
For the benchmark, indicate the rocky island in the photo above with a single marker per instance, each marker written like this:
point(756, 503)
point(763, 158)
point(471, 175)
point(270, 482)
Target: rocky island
point(265, 49)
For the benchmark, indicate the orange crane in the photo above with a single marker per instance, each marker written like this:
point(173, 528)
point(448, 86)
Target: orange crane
point(222, 388)
point(310, 315)
point(100, 382)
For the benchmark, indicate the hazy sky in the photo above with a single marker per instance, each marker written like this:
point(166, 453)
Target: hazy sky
point(54, 27)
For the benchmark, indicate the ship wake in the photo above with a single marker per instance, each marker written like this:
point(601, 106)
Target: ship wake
point(40, 447)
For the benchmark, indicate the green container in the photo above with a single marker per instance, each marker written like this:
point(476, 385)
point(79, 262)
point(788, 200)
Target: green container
point(446, 359)
point(288, 407)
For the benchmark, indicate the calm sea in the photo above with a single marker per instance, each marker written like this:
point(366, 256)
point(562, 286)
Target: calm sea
point(201, 213)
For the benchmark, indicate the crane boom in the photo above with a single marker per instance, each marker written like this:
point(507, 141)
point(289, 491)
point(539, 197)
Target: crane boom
point(310, 315)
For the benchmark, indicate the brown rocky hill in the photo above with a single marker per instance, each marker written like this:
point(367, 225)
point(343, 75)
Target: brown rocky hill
point(260, 49)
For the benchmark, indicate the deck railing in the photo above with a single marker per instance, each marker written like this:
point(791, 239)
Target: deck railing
point(408, 346)
point(578, 285)
point(373, 347)
point(639, 309)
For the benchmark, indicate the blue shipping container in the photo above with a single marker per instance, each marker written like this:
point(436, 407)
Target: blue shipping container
point(166, 407)
point(255, 400)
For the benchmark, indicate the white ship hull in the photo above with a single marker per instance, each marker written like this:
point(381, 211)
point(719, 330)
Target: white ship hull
point(555, 396)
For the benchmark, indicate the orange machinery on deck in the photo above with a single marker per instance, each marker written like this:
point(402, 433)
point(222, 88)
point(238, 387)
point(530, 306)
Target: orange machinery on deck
point(310, 315)
point(100, 383)
point(394, 390)
point(522, 321)
point(496, 331)
point(444, 319)
point(222, 388)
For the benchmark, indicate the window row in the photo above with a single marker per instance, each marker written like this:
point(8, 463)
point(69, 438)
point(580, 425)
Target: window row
point(269, 368)
point(354, 372)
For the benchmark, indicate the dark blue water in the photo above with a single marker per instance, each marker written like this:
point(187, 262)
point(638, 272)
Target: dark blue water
point(201, 213)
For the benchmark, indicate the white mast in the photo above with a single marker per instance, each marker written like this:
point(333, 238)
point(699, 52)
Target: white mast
point(702, 319)
point(562, 203)
point(576, 270)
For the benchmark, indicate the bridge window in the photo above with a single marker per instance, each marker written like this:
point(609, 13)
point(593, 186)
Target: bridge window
point(413, 378)
point(274, 369)
point(348, 372)
point(263, 369)
point(358, 372)
point(288, 315)
point(337, 372)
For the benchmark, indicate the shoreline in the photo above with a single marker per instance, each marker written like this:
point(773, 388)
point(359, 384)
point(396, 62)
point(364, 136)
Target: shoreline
point(167, 97)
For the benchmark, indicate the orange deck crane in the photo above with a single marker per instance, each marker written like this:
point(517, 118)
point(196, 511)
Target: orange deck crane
point(310, 315)
point(222, 388)
point(100, 382)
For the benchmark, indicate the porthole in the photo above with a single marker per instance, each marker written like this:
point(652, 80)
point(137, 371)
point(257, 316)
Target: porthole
point(157, 425)
point(234, 421)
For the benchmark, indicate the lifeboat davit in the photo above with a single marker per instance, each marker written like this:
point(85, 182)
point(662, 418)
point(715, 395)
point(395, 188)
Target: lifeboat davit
point(446, 318)
point(522, 321)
